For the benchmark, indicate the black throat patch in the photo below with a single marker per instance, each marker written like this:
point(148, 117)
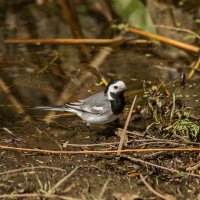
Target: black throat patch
point(118, 102)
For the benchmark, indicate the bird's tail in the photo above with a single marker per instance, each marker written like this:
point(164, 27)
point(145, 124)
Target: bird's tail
point(54, 108)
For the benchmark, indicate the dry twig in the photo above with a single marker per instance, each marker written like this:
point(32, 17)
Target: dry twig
point(8, 131)
point(36, 195)
point(92, 145)
point(179, 30)
point(137, 160)
point(162, 196)
point(126, 126)
point(45, 151)
point(30, 168)
point(65, 41)
point(194, 68)
point(195, 167)
point(60, 182)
point(103, 189)
point(165, 40)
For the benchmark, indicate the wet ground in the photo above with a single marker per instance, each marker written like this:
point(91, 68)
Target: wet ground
point(33, 75)
point(97, 175)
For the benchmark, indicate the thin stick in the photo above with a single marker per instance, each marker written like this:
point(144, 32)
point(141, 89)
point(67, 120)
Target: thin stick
point(173, 108)
point(45, 151)
point(196, 66)
point(136, 133)
point(179, 30)
point(31, 195)
point(30, 168)
point(126, 126)
point(60, 182)
point(165, 40)
point(158, 166)
point(8, 131)
point(195, 167)
point(64, 41)
point(56, 56)
point(103, 189)
point(92, 145)
point(165, 196)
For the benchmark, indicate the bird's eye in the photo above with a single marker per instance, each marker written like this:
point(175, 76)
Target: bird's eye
point(115, 87)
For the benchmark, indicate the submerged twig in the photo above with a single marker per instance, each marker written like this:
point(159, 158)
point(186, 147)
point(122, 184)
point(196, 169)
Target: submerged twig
point(98, 60)
point(17, 105)
point(70, 14)
point(67, 93)
point(56, 55)
point(100, 57)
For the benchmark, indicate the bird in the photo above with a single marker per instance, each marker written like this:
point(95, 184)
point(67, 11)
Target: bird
point(98, 109)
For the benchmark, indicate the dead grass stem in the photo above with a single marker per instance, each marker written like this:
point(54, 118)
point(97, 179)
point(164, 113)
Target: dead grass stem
point(45, 151)
point(61, 181)
point(137, 160)
point(32, 195)
point(30, 168)
point(151, 189)
point(126, 126)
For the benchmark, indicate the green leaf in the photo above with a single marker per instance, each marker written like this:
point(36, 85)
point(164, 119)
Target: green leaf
point(135, 13)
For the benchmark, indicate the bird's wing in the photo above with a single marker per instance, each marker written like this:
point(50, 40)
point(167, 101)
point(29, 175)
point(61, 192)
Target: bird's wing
point(95, 104)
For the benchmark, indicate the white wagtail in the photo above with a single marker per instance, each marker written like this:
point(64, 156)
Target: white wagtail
point(100, 108)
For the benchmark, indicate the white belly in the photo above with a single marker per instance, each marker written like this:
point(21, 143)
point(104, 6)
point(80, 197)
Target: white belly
point(99, 119)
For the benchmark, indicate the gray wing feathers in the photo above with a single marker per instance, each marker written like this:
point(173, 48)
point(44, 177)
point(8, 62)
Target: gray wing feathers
point(95, 104)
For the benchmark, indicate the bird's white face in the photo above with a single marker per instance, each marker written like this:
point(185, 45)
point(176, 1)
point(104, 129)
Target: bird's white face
point(115, 88)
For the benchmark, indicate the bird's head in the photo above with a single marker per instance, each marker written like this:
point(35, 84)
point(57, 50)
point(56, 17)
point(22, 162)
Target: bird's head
point(114, 88)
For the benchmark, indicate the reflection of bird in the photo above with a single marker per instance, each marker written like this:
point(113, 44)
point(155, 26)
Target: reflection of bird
point(100, 108)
